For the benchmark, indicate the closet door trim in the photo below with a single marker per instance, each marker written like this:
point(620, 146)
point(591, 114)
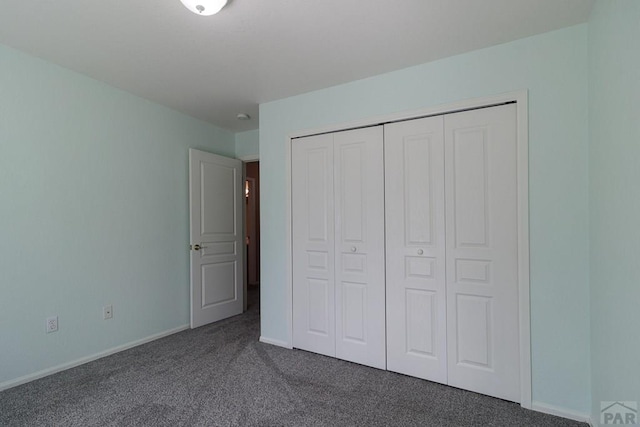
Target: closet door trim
point(521, 99)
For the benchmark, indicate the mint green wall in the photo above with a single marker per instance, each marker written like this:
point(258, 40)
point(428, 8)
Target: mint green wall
point(614, 156)
point(93, 211)
point(247, 144)
point(553, 67)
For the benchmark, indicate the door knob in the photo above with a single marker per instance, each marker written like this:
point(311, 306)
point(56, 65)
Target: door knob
point(353, 249)
point(197, 247)
point(420, 251)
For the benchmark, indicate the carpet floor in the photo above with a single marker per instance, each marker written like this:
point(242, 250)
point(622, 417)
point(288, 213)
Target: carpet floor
point(220, 375)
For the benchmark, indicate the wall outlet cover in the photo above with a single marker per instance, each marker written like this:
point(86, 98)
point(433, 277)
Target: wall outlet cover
point(51, 324)
point(107, 312)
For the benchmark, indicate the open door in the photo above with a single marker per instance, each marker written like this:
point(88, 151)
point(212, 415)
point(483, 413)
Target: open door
point(217, 246)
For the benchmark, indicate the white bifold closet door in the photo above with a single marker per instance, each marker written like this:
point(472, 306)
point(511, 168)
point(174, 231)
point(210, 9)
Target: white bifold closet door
point(416, 294)
point(451, 244)
point(313, 244)
point(482, 251)
point(338, 245)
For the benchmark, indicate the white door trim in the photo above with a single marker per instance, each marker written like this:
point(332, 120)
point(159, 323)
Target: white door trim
point(521, 99)
point(250, 158)
point(245, 280)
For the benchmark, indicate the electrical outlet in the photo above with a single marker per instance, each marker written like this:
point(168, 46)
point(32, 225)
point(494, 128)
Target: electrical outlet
point(107, 312)
point(52, 324)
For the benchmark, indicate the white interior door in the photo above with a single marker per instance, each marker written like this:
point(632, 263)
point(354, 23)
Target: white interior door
point(482, 251)
point(313, 244)
point(415, 246)
point(359, 246)
point(217, 244)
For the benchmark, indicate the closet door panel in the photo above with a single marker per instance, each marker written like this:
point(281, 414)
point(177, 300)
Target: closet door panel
point(482, 275)
point(359, 246)
point(415, 248)
point(313, 244)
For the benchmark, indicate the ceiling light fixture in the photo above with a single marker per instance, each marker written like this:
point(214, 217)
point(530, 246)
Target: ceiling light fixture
point(243, 116)
point(204, 7)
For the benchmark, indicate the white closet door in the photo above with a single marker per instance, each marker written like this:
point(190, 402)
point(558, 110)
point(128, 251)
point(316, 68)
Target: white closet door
point(359, 246)
point(313, 244)
point(415, 246)
point(481, 227)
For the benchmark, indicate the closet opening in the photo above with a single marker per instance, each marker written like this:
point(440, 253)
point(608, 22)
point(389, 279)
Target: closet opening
point(476, 146)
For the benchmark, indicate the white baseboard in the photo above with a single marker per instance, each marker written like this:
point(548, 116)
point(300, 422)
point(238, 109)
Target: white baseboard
point(62, 367)
point(272, 341)
point(561, 412)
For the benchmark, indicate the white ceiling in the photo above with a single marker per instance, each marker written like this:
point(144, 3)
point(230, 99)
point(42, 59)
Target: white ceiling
point(256, 51)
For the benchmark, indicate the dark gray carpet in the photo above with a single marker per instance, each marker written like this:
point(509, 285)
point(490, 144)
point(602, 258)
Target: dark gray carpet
point(220, 375)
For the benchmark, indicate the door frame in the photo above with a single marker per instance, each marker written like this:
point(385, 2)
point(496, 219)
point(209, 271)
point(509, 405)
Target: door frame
point(520, 97)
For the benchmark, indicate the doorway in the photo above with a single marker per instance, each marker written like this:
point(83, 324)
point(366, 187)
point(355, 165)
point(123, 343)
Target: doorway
point(252, 229)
